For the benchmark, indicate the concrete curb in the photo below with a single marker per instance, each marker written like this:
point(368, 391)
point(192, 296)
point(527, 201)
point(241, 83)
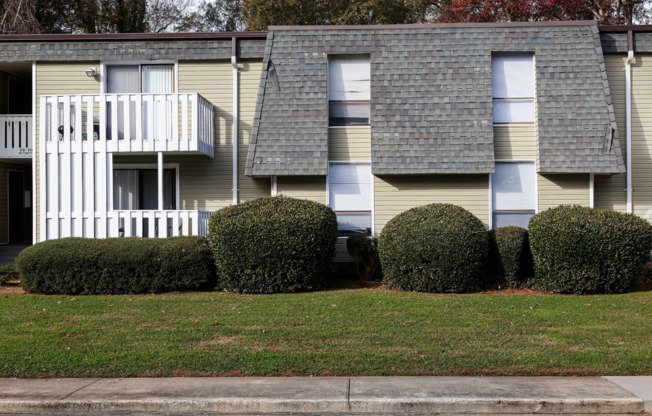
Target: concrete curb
point(320, 395)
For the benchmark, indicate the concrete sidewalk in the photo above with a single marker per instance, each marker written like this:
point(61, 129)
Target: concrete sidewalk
point(335, 395)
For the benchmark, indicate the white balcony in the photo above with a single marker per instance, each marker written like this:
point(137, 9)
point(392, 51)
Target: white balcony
point(127, 123)
point(132, 223)
point(16, 136)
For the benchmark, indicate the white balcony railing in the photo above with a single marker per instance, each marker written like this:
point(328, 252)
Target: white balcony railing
point(153, 223)
point(135, 223)
point(130, 122)
point(16, 136)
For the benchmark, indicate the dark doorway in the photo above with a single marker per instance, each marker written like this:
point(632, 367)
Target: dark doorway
point(16, 206)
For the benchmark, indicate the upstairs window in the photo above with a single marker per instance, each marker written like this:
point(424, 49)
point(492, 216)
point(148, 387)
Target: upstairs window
point(349, 94)
point(349, 194)
point(513, 194)
point(513, 88)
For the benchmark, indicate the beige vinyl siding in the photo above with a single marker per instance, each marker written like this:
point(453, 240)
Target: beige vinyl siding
point(249, 79)
point(395, 194)
point(610, 189)
point(206, 183)
point(59, 78)
point(349, 144)
point(554, 190)
point(303, 187)
point(513, 142)
point(642, 135)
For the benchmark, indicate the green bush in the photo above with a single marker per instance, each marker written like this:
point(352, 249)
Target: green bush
point(510, 258)
point(8, 272)
point(116, 265)
point(588, 250)
point(273, 244)
point(434, 248)
point(364, 251)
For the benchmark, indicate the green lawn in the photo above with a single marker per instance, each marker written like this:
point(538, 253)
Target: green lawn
point(336, 332)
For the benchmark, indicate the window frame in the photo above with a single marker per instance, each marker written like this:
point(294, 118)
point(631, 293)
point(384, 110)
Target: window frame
point(491, 196)
point(372, 192)
point(498, 54)
point(330, 58)
point(140, 64)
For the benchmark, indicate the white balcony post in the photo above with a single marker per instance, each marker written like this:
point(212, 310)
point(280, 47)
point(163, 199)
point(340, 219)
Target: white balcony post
point(160, 181)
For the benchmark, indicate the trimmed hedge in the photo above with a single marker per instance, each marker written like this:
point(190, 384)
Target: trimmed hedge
point(273, 244)
point(510, 259)
point(8, 272)
point(85, 266)
point(434, 248)
point(588, 250)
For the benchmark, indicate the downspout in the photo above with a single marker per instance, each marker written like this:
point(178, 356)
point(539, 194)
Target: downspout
point(628, 117)
point(234, 63)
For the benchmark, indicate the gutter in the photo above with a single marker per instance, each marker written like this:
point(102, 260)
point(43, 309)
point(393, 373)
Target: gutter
point(234, 63)
point(628, 118)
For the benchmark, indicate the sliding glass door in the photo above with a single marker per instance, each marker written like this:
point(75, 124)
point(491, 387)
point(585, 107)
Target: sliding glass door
point(146, 79)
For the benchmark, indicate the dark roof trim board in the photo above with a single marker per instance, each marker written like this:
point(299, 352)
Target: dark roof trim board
point(427, 26)
point(107, 37)
point(431, 98)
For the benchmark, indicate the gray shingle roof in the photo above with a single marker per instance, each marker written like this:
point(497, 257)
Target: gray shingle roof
point(431, 98)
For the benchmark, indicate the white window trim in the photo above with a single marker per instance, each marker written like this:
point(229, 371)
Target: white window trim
point(373, 187)
point(175, 166)
point(536, 187)
point(104, 65)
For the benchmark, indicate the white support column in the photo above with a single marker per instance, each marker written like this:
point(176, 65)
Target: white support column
point(234, 63)
point(160, 181)
point(592, 190)
point(274, 185)
point(34, 155)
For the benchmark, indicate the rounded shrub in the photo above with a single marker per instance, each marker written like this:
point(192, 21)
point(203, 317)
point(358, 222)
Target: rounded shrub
point(434, 248)
point(510, 258)
point(273, 244)
point(588, 250)
point(86, 266)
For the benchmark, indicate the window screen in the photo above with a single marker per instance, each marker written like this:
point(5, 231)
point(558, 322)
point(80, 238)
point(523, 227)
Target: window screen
point(513, 194)
point(349, 90)
point(349, 194)
point(513, 88)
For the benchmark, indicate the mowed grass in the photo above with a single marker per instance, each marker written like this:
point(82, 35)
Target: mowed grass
point(336, 332)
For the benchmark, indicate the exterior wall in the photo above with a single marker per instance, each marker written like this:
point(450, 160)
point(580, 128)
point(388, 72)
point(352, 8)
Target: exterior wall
point(349, 144)
point(207, 183)
point(642, 135)
point(569, 189)
point(610, 189)
point(395, 194)
point(303, 187)
point(513, 142)
point(59, 78)
point(4, 200)
point(249, 77)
